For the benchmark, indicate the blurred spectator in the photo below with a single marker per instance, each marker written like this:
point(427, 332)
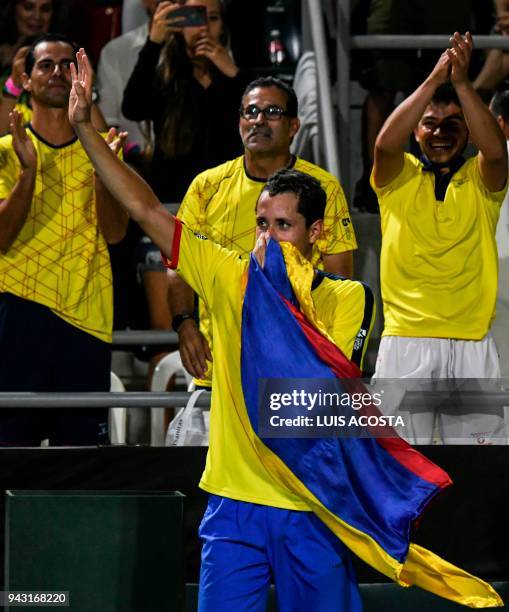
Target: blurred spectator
point(500, 108)
point(394, 71)
point(191, 97)
point(133, 15)
point(21, 22)
point(22, 19)
point(496, 65)
point(94, 23)
point(116, 63)
point(55, 279)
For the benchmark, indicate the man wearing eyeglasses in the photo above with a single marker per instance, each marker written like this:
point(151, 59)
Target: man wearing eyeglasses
point(220, 204)
point(56, 306)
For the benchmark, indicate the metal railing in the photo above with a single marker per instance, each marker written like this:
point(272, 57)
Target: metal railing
point(110, 399)
point(136, 337)
point(425, 41)
point(328, 131)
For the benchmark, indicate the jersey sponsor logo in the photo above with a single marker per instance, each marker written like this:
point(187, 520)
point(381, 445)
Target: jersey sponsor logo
point(359, 339)
point(200, 236)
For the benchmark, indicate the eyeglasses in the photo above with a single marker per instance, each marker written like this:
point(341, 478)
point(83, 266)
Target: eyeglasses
point(271, 113)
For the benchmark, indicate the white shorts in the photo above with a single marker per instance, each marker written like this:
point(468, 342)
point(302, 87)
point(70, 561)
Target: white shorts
point(435, 359)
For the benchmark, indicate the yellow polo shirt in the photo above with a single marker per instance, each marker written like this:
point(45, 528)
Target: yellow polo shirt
point(220, 204)
point(438, 263)
point(234, 468)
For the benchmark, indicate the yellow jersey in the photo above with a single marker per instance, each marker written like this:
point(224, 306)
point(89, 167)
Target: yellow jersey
point(233, 468)
point(59, 258)
point(438, 264)
point(221, 202)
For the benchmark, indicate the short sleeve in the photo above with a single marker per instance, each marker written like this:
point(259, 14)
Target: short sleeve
point(494, 197)
point(408, 171)
point(204, 265)
point(191, 209)
point(9, 168)
point(338, 232)
point(350, 316)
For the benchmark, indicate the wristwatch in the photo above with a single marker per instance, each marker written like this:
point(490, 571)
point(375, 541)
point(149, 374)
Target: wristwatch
point(179, 319)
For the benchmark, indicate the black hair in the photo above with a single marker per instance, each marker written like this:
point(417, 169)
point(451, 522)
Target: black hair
point(311, 196)
point(8, 26)
point(49, 37)
point(445, 94)
point(500, 104)
point(180, 129)
point(292, 104)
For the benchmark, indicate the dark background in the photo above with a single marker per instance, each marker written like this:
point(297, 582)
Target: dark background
point(466, 525)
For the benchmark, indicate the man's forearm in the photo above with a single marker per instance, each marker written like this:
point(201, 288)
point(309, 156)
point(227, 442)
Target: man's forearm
point(180, 295)
point(393, 137)
point(396, 131)
point(111, 215)
point(339, 263)
point(129, 189)
point(484, 130)
point(14, 209)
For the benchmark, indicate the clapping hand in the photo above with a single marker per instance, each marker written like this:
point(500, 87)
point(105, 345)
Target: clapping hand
point(217, 53)
point(116, 140)
point(459, 54)
point(22, 144)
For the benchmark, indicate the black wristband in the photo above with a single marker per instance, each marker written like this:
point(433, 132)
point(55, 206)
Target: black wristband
point(179, 319)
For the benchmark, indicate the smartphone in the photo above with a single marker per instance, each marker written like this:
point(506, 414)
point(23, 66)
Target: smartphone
point(188, 16)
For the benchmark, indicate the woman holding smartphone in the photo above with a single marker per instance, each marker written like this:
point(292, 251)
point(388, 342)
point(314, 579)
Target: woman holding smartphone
point(188, 86)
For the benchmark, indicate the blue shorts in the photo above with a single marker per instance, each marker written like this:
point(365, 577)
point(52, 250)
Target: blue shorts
point(247, 546)
point(41, 352)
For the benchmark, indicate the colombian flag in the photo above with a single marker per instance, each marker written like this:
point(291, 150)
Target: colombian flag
point(368, 491)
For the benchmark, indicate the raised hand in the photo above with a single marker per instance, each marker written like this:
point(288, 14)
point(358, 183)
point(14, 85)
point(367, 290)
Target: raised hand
point(442, 69)
point(217, 53)
point(116, 140)
point(260, 249)
point(80, 98)
point(23, 146)
point(18, 65)
point(459, 54)
point(162, 26)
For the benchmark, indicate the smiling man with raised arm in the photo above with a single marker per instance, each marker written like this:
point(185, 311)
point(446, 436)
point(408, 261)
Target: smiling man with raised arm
point(439, 257)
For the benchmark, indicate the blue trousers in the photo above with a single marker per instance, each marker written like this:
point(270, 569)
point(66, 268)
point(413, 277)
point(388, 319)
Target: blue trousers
point(247, 546)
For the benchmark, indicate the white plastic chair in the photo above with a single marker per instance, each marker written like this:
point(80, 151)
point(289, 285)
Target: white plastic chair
point(117, 417)
point(169, 365)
